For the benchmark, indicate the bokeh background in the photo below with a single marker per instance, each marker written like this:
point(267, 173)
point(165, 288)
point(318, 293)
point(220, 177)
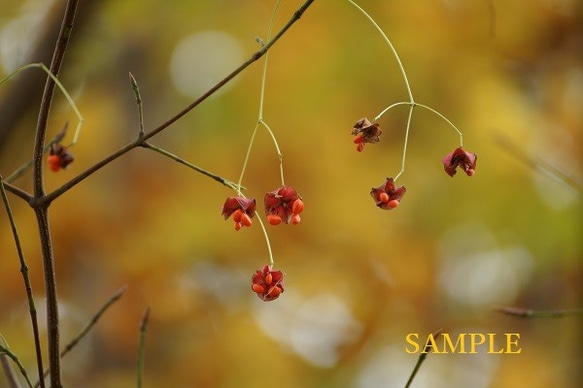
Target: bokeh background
point(508, 73)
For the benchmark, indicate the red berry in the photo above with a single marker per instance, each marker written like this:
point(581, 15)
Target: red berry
point(298, 206)
point(273, 219)
point(384, 197)
point(295, 219)
point(54, 162)
point(360, 147)
point(245, 219)
point(258, 288)
point(237, 215)
point(268, 278)
point(358, 138)
point(393, 204)
point(274, 292)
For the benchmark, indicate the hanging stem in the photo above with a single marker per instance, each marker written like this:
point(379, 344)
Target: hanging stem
point(279, 154)
point(406, 142)
point(70, 101)
point(260, 120)
point(388, 41)
point(271, 261)
point(460, 134)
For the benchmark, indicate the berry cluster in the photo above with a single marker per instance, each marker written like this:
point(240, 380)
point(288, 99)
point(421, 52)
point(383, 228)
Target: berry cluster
point(387, 196)
point(283, 204)
point(59, 158)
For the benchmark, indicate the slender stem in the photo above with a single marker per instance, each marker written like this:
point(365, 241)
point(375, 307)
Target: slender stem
point(422, 358)
point(141, 347)
point(406, 142)
point(395, 54)
point(264, 72)
point(260, 120)
point(87, 328)
point(114, 298)
point(211, 175)
point(59, 85)
point(460, 134)
point(247, 154)
point(59, 136)
point(279, 154)
point(138, 96)
point(525, 313)
point(271, 261)
point(27, 284)
point(377, 118)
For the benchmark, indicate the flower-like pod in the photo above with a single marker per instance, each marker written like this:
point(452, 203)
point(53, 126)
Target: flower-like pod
point(387, 196)
point(242, 209)
point(267, 283)
point(459, 157)
point(283, 205)
point(365, 132)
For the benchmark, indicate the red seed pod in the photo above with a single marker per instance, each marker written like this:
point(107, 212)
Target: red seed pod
point(237, 215)
point(295, 219)
point(54, 162)
point(274, 292)
point(268, 278)
point(245, 220)
point(393, 204)
point(273, 219)
point(384, 197)
point(258, 288)
point(297, 206)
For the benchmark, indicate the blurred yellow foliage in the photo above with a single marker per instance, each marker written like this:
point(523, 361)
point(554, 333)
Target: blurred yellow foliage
point(358, 278)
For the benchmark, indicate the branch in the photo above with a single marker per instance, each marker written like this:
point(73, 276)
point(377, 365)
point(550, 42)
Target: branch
point(40, 206)
point(142, 139)
point(27, 284)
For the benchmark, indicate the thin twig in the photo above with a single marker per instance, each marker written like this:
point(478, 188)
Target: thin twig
point(422, 358)
point(27, 284)
point(218, 178)
point(114, 298)
point(526, 313)
point(138, 96)
point(141, 347)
